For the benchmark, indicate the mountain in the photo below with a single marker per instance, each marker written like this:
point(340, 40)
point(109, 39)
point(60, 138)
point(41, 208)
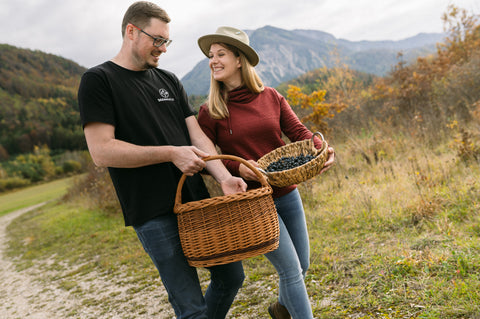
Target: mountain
point(286, 54)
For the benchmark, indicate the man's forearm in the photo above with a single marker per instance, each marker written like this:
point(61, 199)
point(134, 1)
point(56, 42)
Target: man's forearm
point(117, 153)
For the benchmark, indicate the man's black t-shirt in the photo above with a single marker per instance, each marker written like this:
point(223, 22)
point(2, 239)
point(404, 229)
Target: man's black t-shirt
point(147, 108)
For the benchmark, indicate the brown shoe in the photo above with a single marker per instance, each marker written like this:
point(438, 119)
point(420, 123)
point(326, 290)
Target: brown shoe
point(277, 311)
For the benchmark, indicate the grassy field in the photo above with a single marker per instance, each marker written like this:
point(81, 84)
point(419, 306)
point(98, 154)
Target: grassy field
point(394, 233)
point(33, 195)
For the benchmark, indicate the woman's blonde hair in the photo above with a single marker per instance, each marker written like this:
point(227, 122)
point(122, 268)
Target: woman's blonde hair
point(218, 96)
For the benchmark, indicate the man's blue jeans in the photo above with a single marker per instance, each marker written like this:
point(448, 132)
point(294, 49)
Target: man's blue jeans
point(292, 257)
point(160, 240)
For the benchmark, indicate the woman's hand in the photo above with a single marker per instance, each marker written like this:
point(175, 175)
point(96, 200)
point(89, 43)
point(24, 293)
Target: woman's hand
point(330, 161)
point(233, 185)
point(246, 173)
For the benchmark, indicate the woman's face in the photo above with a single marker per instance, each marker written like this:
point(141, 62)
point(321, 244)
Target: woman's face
point(225, 66)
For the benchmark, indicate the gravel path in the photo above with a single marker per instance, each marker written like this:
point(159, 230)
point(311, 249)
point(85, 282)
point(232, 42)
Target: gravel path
point(35, 293)
point(17, 288)
point(26, 294)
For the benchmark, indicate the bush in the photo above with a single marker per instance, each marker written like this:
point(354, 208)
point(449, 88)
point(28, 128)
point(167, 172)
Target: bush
point(40, 166)
point(71, 166)
point(96, 190)
point(13, 182)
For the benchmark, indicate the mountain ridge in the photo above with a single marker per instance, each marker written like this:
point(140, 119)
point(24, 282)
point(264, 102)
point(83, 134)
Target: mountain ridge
point(286, 54)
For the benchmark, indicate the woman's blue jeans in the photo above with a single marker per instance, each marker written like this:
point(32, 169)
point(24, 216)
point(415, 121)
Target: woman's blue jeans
point(292, 257)
point(160, 240)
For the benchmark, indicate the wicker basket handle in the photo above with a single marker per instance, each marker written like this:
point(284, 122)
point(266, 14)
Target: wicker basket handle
point(261, 177)
point(316, 151)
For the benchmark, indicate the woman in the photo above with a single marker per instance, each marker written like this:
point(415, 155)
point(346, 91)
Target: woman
point(246, 119)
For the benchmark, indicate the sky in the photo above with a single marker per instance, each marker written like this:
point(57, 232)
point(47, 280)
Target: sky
point(89, 31)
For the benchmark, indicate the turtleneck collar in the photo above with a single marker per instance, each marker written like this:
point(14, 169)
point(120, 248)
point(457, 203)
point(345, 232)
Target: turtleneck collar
point(241, 95)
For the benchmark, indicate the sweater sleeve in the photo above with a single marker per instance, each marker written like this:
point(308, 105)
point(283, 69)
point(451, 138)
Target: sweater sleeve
point(291, 125)
point(208, 126)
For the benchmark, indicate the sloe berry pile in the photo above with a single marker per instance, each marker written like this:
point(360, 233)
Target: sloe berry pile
point(289, 162)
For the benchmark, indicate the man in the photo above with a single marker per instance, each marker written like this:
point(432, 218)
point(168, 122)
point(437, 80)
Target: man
point(138, 123)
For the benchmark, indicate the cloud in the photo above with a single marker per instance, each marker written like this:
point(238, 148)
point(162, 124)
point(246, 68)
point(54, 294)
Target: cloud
point(88, 31)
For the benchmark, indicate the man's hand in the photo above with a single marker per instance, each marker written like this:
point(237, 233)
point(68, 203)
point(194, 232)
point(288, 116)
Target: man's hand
point(188, 159)
point(233, 185)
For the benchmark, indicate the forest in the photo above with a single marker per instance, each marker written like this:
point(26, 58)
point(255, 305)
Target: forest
point(38, 102)
point(40, 129)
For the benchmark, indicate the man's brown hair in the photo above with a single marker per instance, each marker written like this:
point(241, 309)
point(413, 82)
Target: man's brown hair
point(140, 13)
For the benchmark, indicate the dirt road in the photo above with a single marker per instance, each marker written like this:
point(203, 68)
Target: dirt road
point(30, 294)
point(18, 289)
point(36, 293)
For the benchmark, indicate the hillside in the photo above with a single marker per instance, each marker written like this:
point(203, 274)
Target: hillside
point(38, 101)
point(38, 104)
point(286, 54)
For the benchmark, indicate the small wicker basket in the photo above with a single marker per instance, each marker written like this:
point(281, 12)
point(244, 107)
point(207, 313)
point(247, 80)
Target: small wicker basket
point(300, 173)
point(228, 228)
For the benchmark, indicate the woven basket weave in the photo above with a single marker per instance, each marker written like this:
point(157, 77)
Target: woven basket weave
point(224, 229)
point(300, 173)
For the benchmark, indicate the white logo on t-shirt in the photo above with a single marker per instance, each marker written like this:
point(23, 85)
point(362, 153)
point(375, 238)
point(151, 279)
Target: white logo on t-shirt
point(164, 95)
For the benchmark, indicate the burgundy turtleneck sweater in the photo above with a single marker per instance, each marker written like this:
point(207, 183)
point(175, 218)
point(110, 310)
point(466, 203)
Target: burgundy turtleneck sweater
point(254, 128)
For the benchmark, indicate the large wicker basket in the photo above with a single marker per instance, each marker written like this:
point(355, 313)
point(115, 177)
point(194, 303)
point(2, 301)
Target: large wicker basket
point(228, 228)
point(300, 173)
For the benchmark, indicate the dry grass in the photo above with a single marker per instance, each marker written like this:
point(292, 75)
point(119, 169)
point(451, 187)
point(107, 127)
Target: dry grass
point(394, 231)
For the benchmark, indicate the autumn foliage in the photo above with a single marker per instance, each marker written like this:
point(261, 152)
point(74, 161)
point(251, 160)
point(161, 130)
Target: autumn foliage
point(335, 90)
point(420, 98)
point(315, 101)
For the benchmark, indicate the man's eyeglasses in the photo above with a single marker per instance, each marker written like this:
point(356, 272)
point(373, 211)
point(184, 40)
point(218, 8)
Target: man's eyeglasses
point(157, 41)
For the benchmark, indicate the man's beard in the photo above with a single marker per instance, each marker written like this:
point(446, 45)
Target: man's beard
point(143, 63)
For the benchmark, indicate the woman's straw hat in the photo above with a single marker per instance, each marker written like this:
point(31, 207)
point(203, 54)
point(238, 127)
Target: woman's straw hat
point(232, 36)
